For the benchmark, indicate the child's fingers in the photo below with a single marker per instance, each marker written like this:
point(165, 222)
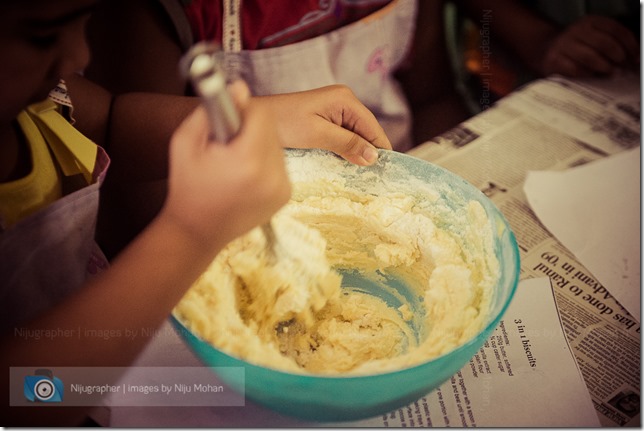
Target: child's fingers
point(351, 146)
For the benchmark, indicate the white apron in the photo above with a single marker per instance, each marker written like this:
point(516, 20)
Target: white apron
point(361, 55)
point(50, 254)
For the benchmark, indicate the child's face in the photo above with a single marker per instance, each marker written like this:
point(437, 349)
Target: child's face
point(41, 41)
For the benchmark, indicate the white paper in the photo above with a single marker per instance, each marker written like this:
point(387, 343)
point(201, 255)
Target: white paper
point(594, 210)
point(537, 389)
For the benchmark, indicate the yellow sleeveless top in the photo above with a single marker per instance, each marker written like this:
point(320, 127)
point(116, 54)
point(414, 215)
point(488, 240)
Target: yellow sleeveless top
point(57, 150)
point(41, 187)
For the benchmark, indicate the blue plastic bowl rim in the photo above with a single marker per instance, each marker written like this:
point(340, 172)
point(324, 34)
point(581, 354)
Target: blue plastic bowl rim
point(475, 339)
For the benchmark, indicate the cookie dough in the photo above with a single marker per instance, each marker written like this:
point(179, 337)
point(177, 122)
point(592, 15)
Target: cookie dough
point(286, 308)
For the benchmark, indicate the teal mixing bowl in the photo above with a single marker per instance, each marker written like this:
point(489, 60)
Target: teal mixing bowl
point(353, 397)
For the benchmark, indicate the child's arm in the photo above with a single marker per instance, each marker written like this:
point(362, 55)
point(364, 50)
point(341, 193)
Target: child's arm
point(135, 127)
point(216, 193)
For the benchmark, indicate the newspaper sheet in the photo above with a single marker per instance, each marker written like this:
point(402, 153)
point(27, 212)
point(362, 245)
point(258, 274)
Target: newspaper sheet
point(555, 124)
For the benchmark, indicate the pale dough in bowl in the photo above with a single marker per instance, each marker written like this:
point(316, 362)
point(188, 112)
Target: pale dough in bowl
point(288, 311)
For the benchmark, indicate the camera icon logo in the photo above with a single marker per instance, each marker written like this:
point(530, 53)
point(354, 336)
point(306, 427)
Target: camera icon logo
point(43, 387)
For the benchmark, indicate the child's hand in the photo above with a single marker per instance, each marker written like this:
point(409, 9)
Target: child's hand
point(331, 118)
point(219, 191)
point(594, 45)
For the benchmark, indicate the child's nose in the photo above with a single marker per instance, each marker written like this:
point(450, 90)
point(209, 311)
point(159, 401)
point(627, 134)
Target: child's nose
point(74, 54)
